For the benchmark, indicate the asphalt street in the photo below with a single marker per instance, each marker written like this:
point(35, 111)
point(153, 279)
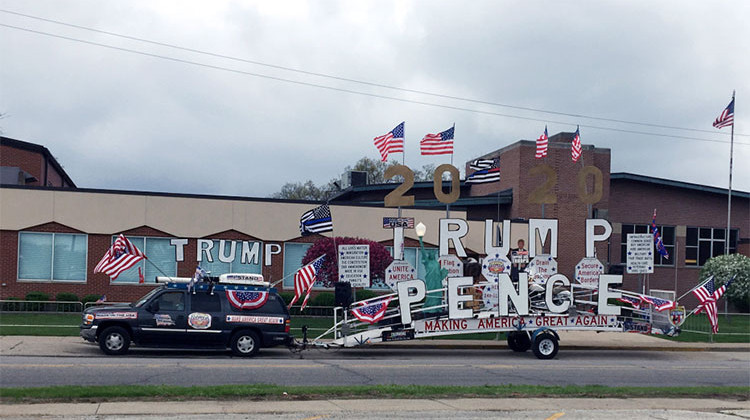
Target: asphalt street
point(380, 366)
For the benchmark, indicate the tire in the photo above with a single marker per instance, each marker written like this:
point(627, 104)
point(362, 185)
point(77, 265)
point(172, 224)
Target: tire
point(245, 344)
point(519, 341)
point(545, 345)
point(114, 341)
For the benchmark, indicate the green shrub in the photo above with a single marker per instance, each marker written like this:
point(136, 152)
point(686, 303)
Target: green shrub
point(11, 306)
point(37, 296)
point(90, 298)
point(287, 296)
point(66, 297)
point(323, 299)
point(366, 294)
point(723, 268)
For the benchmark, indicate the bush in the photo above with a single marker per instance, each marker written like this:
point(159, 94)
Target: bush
point(37, 296)
point(90, 298)
point(287, 296)
point(66, 297)
point(723, 268)
point(366, 294)
point(324, 299)
point(12, 306)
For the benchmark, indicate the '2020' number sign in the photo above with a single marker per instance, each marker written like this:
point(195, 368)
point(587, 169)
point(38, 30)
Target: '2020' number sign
point(398, 197)
point(544, 193)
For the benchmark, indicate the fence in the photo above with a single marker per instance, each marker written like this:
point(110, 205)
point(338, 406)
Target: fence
point(40, 306)
point(730, 324)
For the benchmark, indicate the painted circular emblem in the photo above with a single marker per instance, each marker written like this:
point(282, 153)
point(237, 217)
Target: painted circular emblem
point(493, 266)
point(199, 321)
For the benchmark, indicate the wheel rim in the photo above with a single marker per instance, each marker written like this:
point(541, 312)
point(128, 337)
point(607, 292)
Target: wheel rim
point(546, 346)
point(245, 344)
point(114, 342)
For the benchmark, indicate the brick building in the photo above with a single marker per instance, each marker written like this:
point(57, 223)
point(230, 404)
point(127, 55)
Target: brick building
point(52, 236)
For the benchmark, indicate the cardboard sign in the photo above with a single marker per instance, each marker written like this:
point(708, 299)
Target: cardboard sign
point(640, 253)
point(399, 270)
point(354, 265)
point(541, 267)
point(588, 271)
point(453, 264)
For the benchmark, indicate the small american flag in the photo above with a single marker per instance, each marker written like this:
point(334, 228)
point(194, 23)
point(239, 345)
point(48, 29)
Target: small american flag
point(708, 295)
point(304, 279)
point(632, 300)
point(575, 149)
point(726, 118)
point(391, 142)
point(119, 257)
point(438, 144)
point(657, 238)
point(659, 304)
point(317, 220)
point(372, 312)
point(541, 144)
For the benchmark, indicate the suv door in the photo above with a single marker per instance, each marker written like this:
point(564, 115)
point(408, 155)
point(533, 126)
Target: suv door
point(164, 322)
point(206, 320)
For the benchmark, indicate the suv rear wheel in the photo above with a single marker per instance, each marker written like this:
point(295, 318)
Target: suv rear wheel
point(245, 343)
point(114, 340)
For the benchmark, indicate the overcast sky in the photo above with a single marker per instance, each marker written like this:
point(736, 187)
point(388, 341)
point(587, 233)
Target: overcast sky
point(118, 119)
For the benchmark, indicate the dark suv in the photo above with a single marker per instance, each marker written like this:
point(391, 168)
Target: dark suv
point(204, 315)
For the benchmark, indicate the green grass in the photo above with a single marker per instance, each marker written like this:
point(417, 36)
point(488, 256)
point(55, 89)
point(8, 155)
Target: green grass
point(44, 324)
point(274, 392)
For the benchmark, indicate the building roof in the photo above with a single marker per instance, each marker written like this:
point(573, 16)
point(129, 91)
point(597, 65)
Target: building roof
point(37, 148)
point(625, 176)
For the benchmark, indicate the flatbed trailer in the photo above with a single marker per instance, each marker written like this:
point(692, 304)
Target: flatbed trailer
point(536, 330)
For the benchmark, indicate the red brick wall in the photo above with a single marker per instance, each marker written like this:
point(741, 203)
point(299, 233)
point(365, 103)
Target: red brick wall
point(30, 162)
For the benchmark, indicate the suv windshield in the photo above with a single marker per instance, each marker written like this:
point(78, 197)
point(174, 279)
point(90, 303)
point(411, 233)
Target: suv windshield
point(144, 299)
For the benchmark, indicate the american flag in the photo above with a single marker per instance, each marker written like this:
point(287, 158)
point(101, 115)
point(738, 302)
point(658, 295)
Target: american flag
point(659, 304)
point(438, 144)
point(491, 174)
point(392, 142)
point(708, 295)
point(479, 164)
point(247, 299)
point(304, 279)
point(119, 257)
point(632, 300)
point(317, 220)
point(372, 312)
point(575, 149)
point(541, 144)
point(726, 118)
point(657, 238)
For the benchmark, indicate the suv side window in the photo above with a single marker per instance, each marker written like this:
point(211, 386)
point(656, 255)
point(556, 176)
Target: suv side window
point(171, 301)
point(204, 302)
point(273, 305)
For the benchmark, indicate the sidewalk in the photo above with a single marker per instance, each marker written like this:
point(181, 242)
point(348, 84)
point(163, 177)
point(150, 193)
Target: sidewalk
point(338, 408)
point(569, 340)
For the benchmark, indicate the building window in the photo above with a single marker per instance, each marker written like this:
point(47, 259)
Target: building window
point(667, 234)
point(703, 243)
point(293, 254)
point(160, 254)
point(52, 256)
point(227, 256)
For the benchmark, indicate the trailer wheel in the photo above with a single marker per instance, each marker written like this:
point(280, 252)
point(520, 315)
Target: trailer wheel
point(545, 345)
point(519, 341)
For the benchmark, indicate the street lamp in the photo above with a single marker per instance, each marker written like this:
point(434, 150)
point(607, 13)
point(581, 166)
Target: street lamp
point(421, 229)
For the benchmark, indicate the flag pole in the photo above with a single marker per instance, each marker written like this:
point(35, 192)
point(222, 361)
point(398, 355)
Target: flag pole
point(729, 195)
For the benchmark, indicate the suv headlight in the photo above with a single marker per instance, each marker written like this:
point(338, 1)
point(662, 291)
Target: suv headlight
point(88, 319)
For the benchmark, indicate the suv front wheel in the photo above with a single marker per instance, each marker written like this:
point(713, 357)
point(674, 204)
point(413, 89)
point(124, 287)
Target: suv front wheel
point(245, 343)
point(114, 341)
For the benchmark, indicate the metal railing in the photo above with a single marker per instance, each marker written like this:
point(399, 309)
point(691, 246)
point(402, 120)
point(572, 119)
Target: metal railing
point(736, 324)
point(12, 305)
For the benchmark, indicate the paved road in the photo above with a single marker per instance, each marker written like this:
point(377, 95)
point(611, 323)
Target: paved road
point(380, 366)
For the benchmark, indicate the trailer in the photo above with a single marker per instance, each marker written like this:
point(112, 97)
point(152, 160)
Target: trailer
point(384, 318)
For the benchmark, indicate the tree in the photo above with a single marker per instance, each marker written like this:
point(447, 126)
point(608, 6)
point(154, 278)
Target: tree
point(723, 267)
point(380, 258)
point(300, 191)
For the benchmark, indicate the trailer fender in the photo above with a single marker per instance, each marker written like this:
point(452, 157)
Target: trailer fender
point(542, 329)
